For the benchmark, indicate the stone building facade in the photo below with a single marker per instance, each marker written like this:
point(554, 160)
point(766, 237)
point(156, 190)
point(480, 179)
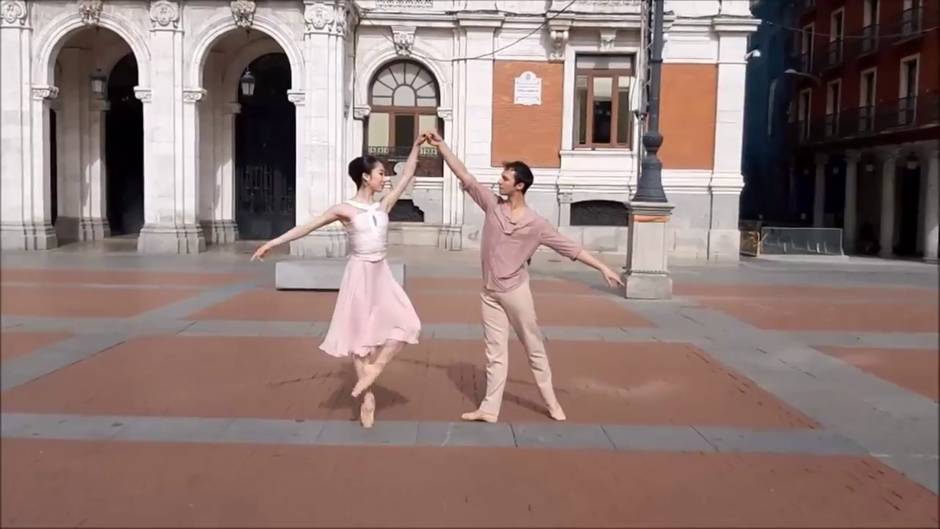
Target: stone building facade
point(187, 123)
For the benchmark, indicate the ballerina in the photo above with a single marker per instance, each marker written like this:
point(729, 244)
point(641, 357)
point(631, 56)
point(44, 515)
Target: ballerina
point(373, 317)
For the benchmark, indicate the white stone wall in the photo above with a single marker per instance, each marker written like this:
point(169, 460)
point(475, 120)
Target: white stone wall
point(188, 76)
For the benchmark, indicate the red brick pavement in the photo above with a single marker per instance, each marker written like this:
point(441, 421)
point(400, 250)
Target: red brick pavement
point(637, 383)
point(72, 301)
point(48, 482)
point(914, 369)
point(117, 277)
point(433, 306)
point(819, 308)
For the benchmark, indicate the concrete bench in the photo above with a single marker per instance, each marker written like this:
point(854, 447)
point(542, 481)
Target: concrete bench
point(320, 274)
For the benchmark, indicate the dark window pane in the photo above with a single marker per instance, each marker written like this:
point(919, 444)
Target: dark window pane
point(603, 90)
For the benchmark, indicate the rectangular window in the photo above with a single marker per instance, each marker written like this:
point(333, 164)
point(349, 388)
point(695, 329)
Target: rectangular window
point(836, 25)
point(866, 101)
point(806, 48)
point(602, 113)
point(806, 97)
point(907, 104)
point(833, 103)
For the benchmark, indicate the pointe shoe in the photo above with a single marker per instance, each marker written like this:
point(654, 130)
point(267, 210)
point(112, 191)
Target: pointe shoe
point(369, 374)
point(555, 412)
point(477, 415)
point(367, 411)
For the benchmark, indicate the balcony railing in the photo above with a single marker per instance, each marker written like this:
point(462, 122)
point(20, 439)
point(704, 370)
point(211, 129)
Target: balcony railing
point(917, 111)
point(869, 41)
point(831, 126)
point(910, 23)
point(834, 53)
point(806, 62)
point(430, 162)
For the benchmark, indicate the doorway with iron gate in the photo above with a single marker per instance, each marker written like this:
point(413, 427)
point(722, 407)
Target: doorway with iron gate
point(265, 153)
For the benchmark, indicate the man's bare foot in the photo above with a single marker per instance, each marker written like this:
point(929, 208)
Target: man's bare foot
point(370, 372)
point(477, 415)
point(367, 410)
point(555, 412)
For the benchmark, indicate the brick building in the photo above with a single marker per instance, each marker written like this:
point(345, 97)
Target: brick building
point(864, 121)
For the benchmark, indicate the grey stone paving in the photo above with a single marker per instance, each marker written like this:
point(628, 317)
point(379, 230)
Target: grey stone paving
point(562, 436)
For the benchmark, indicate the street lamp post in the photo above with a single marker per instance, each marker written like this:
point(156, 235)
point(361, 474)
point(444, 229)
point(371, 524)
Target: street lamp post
point(647, 275)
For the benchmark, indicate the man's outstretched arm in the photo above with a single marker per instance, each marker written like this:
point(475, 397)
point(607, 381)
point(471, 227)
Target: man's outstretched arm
point(482, 196)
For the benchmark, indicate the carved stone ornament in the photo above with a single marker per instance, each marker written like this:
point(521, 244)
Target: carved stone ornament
point(45, 92)
point(13, 12)
point(90, 11)
point(446, 114)
point(165, 14)
point(404, 39)
point(361, 111)
point(559, 41)
point(608, 36)
point(317, 17)
point(193, 95)
point(145, 95)
point(297, 97)
point(243, 11)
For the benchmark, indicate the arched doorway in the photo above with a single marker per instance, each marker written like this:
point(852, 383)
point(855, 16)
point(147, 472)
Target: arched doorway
point(265, 150)
point(124, 150)
point(93, 70)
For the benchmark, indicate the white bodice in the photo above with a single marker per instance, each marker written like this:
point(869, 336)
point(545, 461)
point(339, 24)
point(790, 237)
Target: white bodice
point(368, 231)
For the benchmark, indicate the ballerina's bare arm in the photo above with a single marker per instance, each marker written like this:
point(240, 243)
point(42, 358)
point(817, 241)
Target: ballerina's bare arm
point(408, 174)
point(335, 213)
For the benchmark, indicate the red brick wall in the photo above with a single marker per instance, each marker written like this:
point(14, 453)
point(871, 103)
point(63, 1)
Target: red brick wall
point(528, 133)
point(687, 115)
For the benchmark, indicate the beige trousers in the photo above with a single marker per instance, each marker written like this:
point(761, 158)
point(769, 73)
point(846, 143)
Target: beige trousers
point(515, 309)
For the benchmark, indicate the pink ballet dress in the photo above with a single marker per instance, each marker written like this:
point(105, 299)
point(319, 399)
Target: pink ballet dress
point(371, 307)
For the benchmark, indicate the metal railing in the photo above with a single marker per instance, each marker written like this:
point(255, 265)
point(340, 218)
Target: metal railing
point(430, 162)
point(919, 110)
point(910, 23)
point(834, 53)
point(869, 41)
point(831, 125)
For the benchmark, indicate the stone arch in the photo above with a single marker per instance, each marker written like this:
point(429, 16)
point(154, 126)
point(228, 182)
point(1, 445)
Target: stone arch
point(243, 58)
point(383, 56)
point(63, 26)
point(217, 28)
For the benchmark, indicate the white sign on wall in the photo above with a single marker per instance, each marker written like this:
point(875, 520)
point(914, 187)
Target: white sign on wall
point(528, 90)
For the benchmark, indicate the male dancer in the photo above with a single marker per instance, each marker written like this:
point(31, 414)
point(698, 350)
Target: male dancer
point(511, 234)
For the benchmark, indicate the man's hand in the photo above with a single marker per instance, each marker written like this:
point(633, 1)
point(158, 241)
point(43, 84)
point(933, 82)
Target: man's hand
point(612, 278)
point(434, 138)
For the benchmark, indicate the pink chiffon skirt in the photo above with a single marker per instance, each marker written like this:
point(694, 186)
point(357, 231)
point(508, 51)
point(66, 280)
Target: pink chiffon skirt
point(371, 310)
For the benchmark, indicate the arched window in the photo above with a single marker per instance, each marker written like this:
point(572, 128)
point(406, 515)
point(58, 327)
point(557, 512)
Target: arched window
point(404, 100)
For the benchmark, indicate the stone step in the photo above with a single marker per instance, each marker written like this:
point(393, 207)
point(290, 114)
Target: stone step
point(321, 274)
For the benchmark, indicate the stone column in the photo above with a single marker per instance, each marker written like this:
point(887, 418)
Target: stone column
point(888, 174)
point(93, 223)
point(25, 215)
point(452, 204)
point(724, 237)
point(930, 168)
point(850, 214)
point(221, 227)
point(819, 193)
point(170, 162)
point(321, 180)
